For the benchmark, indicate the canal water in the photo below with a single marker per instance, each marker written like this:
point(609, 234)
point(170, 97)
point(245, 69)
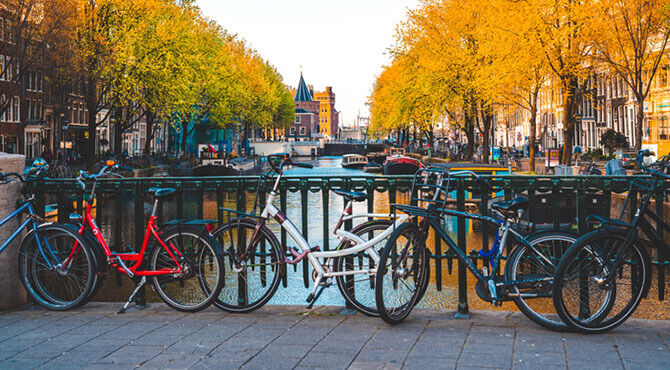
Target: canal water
point(443, 297)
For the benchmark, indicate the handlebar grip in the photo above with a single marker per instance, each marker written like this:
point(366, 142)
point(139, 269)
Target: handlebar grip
point(303, 165)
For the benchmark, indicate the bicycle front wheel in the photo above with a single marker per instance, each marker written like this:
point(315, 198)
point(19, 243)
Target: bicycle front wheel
point(592, 295)
point(198, 283)
point(402, 275)
point(254, 282)
point(358, 287)
point(57, 267)
point(534, 269)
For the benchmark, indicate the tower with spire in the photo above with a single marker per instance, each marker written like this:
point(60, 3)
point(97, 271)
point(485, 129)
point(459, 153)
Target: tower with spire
point(307, 112)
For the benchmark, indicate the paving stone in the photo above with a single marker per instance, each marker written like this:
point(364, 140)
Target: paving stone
point(130, 354)
point(596, 365)
point(156, 340)
point(382, 354)
point(76, 359)
point(172, 361)
point(485, 360)
point(425, 362)
point(327, 359)
point(193, 346)
point(537, 358)
point(271, 362)
point(22, 363)
point(285, 350)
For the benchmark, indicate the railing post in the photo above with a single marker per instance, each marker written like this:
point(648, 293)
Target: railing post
point(141, 297)
point(305, 231)
point(661, 251)
point(463, 312)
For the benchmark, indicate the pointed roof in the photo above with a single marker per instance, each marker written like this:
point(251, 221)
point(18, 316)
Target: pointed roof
point(302, 94)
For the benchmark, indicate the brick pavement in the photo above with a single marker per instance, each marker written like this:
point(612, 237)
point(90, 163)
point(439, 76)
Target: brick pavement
point(278, 337)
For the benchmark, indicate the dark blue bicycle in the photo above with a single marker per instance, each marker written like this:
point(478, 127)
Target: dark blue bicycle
point(55, 265)
point(524, 275)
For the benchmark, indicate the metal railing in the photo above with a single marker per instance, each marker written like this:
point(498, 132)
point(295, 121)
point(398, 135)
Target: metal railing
point(559, 201)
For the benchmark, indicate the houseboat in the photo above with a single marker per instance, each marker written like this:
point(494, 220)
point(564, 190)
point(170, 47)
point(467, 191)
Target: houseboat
point(401, 165)
point(354, 161)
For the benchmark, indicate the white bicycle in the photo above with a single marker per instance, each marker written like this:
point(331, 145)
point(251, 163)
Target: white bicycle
point(255, 260)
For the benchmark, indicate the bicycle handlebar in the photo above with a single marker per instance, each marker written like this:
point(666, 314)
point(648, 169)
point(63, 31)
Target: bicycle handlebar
point(109, 165)
point(640, 162)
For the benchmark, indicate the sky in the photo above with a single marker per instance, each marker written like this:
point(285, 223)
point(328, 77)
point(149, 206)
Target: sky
point(338, 43)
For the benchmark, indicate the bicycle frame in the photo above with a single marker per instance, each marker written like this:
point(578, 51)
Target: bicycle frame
point(137, 258)
point(313, 253)
point(434, 222)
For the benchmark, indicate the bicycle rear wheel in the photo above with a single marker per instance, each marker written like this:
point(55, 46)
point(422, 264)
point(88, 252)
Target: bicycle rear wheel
point(359, 289)
point(201, 263)
point(257, 279)
point(402, 275)
point(588, 294)
point(59, 270)
point(534, 264)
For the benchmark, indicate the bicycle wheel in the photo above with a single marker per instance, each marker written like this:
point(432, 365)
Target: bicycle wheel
point(59, 271)
point(534, 299)
point(359, 289)
point(402, 274)
point(255, 282)
point(588, 294)
point(201, 266)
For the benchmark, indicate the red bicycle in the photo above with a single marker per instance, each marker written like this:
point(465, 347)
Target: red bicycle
point(183, 260)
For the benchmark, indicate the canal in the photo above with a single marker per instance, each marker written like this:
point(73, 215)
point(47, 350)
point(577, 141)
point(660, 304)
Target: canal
point(445, 298)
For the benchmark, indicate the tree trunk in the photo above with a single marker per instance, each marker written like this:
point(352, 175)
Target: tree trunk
point(569, 109)
point(639, 124)
point(184, 135)
point(533, 131)
point(149, 132)
point(90, 151)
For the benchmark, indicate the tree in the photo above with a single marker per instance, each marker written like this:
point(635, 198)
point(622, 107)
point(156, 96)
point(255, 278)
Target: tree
point(631, 38)
point(560, 28)
point(612, 139)
point(31, 26)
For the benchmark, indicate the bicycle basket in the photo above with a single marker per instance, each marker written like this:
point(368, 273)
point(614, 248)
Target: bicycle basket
point(430, 189)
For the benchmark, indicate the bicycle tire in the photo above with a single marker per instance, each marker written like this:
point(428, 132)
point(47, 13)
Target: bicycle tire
point(398, 269)
point(360, 292)
point(200, 256)
point(584, 264)
point(59, 289)
point(523, 263)
point(254, 285)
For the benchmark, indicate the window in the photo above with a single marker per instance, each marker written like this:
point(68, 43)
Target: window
point(297, 119)
point(292, 131)
point(302, 131)
point(3, 115)
point(16, 108)
point(2, 68)
point(663, 76)
point(663, 129)
point(2, 29)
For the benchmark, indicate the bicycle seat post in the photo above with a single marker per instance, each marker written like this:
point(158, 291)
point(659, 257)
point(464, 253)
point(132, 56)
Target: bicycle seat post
point(155, 209)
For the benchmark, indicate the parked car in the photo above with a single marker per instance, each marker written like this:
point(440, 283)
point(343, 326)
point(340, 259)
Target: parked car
point(627, 159)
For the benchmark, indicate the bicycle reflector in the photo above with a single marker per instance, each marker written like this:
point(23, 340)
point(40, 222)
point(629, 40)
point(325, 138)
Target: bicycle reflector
point(110, 163)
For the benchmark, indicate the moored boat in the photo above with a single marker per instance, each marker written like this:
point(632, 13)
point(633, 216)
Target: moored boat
point(401, 165)
point(354, 161)
point(373, 167)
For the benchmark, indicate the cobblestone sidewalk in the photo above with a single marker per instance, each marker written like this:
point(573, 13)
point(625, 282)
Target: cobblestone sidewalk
point(278, 337)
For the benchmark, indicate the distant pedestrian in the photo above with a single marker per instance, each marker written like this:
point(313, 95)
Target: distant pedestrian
point(614, 167)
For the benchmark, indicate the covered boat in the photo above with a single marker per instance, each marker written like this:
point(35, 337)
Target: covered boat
point(354, 161)
point(401, 165)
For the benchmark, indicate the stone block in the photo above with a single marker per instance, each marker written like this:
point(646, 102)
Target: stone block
point(13, 292)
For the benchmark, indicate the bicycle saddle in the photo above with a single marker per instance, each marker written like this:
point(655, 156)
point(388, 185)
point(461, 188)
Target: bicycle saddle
point(510, 208)
point(161, 192)
point(356, 196)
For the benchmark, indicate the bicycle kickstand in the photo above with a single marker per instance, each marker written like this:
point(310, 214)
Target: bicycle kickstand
point(130, 299)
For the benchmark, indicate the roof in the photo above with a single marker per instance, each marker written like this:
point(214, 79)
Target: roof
point(302, 111)
point(302, 94)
